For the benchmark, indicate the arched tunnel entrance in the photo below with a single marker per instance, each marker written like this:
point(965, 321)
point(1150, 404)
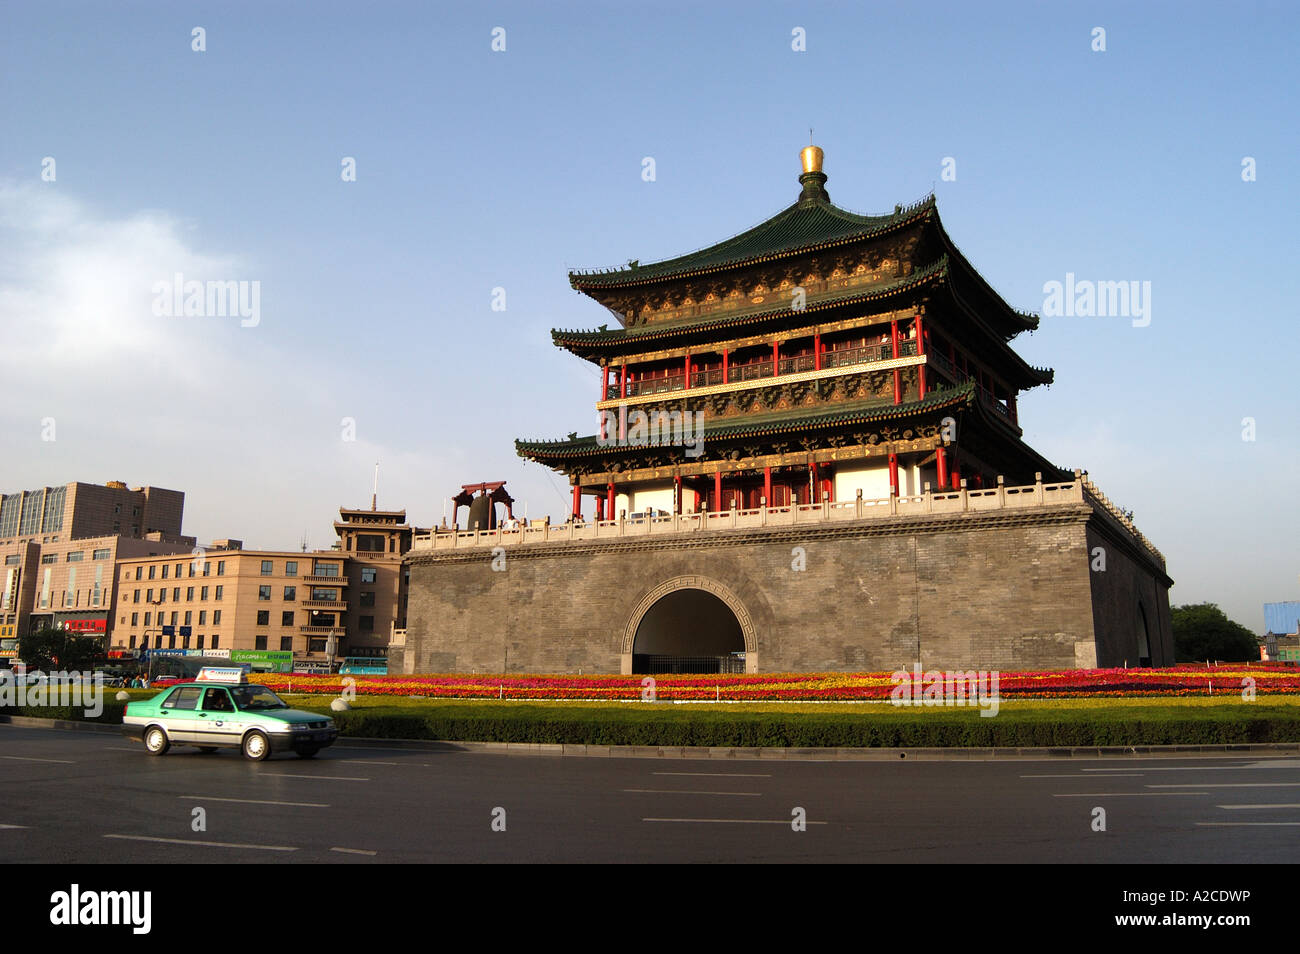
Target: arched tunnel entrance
point(688, 631)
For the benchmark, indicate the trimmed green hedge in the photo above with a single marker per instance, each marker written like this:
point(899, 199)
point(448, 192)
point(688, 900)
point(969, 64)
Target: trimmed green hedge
point(871, 728)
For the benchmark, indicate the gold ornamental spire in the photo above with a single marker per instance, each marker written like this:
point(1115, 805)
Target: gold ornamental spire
point(812, 156)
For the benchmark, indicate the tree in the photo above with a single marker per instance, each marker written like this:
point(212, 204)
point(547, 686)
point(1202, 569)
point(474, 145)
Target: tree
point(1202, 631)
point(51, 648)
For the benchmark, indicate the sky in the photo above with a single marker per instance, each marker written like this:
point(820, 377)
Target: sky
point(484, 175)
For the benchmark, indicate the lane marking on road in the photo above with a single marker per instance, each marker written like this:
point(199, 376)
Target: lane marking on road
point(200, 844)
point(368, 762)
point(250, 801)
point(122, 748)
point(714, 774)
point(13, 826)
point(676, 791)
point(1077, 775)
point(24, 758)
point(1248, 824)
point(1281, 763)
point(1228, 785)
point(323, 778)
point(1126, 794)
point(732, 821)
point(355, 851)
point(1278, 805)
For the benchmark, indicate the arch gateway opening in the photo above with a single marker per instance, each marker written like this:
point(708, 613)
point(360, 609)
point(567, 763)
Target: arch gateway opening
point(689, 631)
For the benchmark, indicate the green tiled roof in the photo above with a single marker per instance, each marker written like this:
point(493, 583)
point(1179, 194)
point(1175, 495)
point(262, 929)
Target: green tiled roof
point(774, 422)
point(661, 329)
point(803, 226)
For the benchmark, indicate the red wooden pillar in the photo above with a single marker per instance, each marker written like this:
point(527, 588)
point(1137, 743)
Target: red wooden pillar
point(776, 358)
point(814, 482)
point(767, 485)
point(610, 505)
point(893, 475)
point(828, 488)
point(622, 381)
point(677, 494)
point(688, 370)
point(717, 491)
point(600, 507)
point(577, 502)
point(941, 464)
point(898, 378)
point(920, 350)
point(817, 351)
point(956, 474)
point(726, 375)
point(604, 383)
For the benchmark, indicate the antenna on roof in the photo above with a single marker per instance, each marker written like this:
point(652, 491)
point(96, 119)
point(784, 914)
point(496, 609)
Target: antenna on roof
point(304, 541)
point(374, 497)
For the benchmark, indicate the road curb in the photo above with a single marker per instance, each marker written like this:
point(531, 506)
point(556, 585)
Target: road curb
point(773, 753)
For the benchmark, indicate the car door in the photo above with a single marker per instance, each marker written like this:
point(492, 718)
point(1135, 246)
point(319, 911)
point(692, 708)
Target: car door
point(217, 722)
point(179, 713)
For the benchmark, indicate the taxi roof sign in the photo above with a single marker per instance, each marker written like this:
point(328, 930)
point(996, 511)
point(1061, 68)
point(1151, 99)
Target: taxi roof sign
point(230, 675)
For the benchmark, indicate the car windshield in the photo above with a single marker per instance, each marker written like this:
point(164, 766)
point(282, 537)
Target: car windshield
point(257, 697)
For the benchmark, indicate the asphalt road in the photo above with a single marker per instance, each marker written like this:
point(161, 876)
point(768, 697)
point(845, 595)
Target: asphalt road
point(85, 798)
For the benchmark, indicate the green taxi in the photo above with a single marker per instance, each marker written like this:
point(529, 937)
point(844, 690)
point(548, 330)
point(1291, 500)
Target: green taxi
point(221, 709)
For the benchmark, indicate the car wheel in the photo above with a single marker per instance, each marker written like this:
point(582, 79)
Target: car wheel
point(256, 746)
point(307, 753)
point(207, 749)
point(156, 741)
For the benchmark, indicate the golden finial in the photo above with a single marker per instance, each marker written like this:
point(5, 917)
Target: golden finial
point(812, 158)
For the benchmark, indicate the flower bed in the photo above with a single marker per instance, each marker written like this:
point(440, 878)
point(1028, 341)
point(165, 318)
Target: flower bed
point(1227, 680)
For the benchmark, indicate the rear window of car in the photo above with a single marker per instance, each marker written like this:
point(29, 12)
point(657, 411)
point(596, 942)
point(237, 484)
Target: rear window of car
point(186, 697)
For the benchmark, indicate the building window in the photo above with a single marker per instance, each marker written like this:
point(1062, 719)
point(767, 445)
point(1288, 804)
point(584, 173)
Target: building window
point(218, 593)
point(263, 592)
point(74, 556)
point(171, 641)
point(132, 643)
point(135, 619)
point(162, 595)
point(173, 617)
point(286, 618)
point(165, 569)
point(176, 593)
point(203, 617)
point(151, 570)
point(286, 643)
point(180, 569)
point(207, 569)
point(216, 639)
point(49, 558)
point(291, 592)
point(368, 598)
point(330, 596)
point(263, 617)
point(135, 596)
point(137, 572)
point(291, 568)
point(216, 619)
point(367, 624)
point(157, 642)
point(268, 567)
point(200, 645)
point(320, 568)
point(221, 568)
point(315, 645)
point(203, 593)
point(102, 554)
point(148, 596)
point(259, 642)
point(368, 574)
point(187, 617)
point(189, 594)
point(370, 543)
point(185, 642)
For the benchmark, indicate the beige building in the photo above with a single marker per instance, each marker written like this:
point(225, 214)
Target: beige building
point(59, 545)
point(234, 599)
